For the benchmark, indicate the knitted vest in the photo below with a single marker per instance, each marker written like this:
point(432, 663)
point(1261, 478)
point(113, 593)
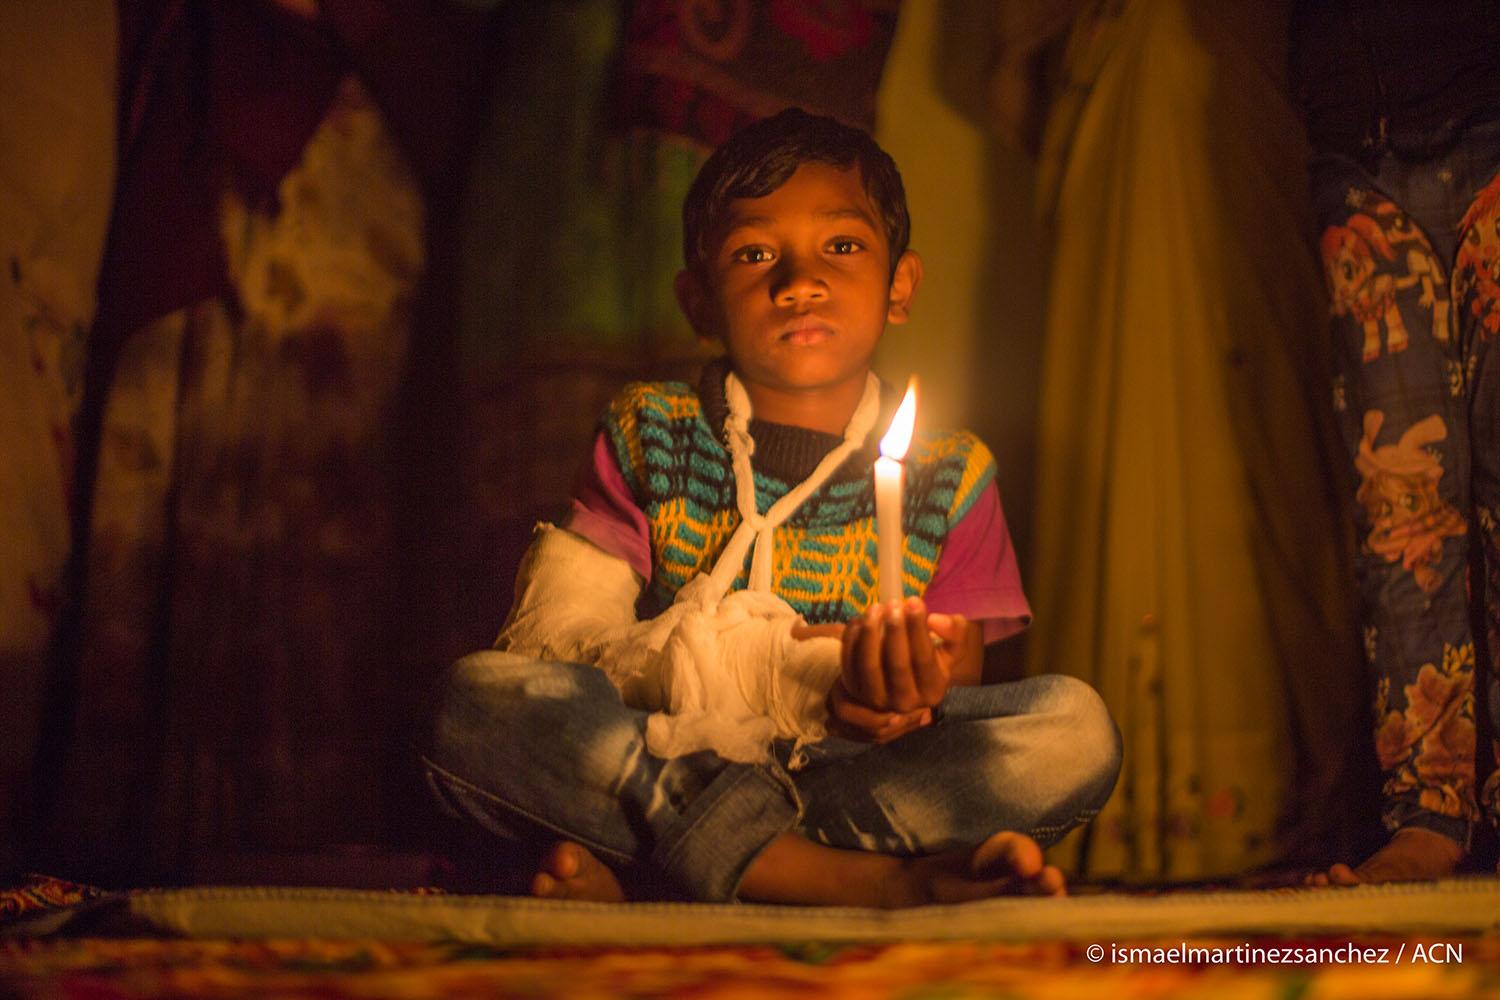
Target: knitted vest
point(824, 559)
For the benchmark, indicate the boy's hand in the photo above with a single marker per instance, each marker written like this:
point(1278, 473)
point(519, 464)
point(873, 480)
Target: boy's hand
point(894, 676)
point(849, 718)
point(962, 648)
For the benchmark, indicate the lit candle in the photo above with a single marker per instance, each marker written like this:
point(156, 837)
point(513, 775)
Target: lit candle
point(888, 477)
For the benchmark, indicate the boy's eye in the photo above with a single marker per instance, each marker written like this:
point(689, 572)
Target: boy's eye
point(754, 255)
point(845, 246)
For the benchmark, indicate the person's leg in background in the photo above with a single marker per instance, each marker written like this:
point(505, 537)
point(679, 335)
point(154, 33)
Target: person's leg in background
point(1401, 400)
point(1476, 299)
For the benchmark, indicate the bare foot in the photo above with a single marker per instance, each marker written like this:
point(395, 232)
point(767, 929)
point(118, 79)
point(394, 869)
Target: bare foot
point(794, 870)
point(570, 871)
point(1413, 855)
point(1008, 864)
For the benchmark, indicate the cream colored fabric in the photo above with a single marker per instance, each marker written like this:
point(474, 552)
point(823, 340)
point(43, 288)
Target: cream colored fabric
point(721, 674)
point(1188, 560)
point(571, 596)
point(344, 261)
point(1446, 909)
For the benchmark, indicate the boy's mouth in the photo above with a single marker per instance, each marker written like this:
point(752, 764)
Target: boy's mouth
point(805, 330)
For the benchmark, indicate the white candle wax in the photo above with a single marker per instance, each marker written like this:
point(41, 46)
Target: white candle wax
point(888, 476)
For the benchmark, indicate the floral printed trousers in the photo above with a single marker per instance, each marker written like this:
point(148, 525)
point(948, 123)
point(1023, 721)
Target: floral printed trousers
point(1411, 253)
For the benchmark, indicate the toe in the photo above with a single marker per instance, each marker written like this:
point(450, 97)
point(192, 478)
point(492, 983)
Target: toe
point(1008, 854)
point(563, 861)
point(1050, 882)
point(1342, 874)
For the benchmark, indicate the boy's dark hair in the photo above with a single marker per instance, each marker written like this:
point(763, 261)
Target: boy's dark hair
point(759, 158)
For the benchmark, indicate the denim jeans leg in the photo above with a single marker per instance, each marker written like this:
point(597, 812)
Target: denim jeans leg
point(1039, 756)
point(537, 750)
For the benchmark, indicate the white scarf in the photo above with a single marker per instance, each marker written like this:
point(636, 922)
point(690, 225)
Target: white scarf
point(758, 529)
point(718, 671)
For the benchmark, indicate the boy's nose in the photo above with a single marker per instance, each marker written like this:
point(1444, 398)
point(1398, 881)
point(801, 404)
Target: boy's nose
point(797, 284)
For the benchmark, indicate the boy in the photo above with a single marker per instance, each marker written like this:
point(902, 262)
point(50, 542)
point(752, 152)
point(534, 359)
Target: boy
point(934, 788)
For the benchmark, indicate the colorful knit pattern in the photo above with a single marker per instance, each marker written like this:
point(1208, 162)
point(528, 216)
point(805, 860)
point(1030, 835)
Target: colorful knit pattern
point(824, 560)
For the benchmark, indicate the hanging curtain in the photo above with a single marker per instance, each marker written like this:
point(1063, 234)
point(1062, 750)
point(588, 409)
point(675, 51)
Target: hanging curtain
point(229, 678)
point(57, 107)
point(235, 689)
point(1189, 560)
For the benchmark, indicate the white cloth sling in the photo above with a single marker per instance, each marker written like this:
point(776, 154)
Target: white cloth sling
point(719, 671)
point(758, 529)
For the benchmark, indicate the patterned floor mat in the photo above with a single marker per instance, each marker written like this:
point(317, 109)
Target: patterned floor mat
point(331, 970)
point(1453, 906)
point(304, 944)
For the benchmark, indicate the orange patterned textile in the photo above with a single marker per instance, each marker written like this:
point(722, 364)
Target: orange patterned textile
point(329, 970)
point(39, 892)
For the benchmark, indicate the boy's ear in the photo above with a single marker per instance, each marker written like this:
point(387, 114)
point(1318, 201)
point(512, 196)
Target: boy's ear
point(696, 301)
point(904, 287)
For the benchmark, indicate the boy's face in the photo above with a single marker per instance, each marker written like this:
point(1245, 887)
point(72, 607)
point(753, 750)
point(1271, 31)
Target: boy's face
point(800, 288)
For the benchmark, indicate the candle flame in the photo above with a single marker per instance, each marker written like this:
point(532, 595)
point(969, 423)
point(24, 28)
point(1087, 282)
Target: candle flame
point(898, 438)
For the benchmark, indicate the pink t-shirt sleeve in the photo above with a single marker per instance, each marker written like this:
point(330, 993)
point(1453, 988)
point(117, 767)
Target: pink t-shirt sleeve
point(976, 574)
point(604, 511)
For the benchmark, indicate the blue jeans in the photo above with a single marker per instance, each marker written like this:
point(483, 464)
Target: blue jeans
point(1411, 251)
point(533, 750)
